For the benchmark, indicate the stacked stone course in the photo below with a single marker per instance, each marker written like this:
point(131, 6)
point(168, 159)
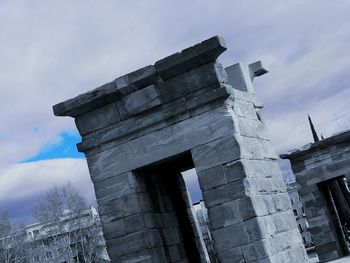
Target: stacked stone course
point(187, 104)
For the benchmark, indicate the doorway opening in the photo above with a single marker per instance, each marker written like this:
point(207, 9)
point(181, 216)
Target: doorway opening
point(171, 205)
point(337, 198)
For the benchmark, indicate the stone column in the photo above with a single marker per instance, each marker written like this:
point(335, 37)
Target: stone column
point(248, 206)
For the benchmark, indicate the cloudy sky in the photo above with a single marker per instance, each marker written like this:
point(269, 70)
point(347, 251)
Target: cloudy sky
point(53, 50)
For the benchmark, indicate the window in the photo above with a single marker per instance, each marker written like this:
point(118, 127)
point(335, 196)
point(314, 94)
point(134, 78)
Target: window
point(48, 255)
point(295, 212)
point(45, 243)
point(292, 201)
point(36, 259)
point(36, 232)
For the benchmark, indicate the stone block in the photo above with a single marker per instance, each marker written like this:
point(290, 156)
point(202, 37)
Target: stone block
point(97, 119)
point(232, 255)
point(281, 202)
point(254, 229)
point(229, 237)
point(245, 109)
point(208, 75)
point(170, 219)
point(139, 101)
point(120, 207)
point(117, 186)
point(153, 220)
point(252, 128)
point(257, 250)
point(132, 243)
point(159, 145)
point(208, 101)
point(253, 206)
point(113, 229)
point(171, 236)
point(176, 253)
point(153, 255)
point(224, 215)
point(212, 177)
point(224, 193)
point(136, 80)
point(138, 125)
point(88, 101)
point(279, 222)
point(227, 149)
point(264, 186)
point(192, 57)
point(134, 223)
point(257, 149)
point(239, 77)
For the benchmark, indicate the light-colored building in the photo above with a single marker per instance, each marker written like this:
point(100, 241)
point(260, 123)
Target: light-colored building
point(69, 239)
point(299, 213)
point(201, 213)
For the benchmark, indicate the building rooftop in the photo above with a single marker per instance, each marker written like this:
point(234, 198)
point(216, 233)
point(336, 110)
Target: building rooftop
point(336, 138)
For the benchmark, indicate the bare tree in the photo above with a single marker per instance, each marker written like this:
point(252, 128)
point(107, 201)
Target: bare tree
point(69, 226)
point(13, 246)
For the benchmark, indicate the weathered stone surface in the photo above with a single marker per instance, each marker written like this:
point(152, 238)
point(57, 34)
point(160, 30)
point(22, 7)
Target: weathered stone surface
point(88, 101)
point(192, 57)
point(139, 101)
point(119, 208)
point(223, 194)
point(114, 187)
point(230, 237)
point(232, 255)
point(161, 144)
point(227, 150)
point(264, 186)
point(135, 80)
point(212, 177)
point(137, 126)
point(96, 119)
point(239, 77)
point(133, 243)
point(185, 110)
point(208, 101)
point(208, 75)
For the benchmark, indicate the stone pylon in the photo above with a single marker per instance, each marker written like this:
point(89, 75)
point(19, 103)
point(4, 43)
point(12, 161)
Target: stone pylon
point(143, 129)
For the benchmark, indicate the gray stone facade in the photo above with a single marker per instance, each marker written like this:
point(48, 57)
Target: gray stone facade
point(143, 129)
point(315, 166)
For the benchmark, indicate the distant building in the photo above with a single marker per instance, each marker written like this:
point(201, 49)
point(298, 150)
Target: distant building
point(70, 239)
point(201, 213)
point(299, 213)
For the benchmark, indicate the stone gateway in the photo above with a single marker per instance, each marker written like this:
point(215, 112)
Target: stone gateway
point(143, 129)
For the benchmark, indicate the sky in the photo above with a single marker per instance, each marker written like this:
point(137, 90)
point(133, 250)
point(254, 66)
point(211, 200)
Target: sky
point(51, 51)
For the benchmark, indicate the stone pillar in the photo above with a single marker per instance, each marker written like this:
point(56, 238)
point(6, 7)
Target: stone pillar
point(313, 166)
point(185, 110)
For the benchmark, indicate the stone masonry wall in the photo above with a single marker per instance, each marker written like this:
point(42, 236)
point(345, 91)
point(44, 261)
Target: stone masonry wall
point(312, 165)
point(186, 103)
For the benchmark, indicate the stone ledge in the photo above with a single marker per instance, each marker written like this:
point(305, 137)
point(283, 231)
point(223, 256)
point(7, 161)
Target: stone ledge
point(191, 57)
point(171, 66)
point(343, 136)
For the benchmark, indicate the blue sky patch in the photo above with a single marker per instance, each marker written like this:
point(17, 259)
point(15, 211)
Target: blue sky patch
point(64, 148)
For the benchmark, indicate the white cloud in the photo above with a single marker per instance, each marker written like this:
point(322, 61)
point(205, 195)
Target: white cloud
point(28, 180)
